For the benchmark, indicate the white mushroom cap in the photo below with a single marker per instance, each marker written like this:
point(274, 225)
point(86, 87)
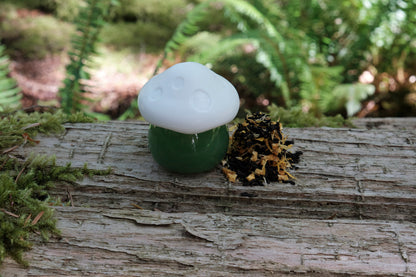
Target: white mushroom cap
point(188, 98)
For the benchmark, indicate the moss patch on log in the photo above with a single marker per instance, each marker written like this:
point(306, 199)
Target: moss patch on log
point(25, 205)
point(296, 118)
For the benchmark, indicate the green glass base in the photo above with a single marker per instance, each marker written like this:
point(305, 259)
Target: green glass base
point(183, 153)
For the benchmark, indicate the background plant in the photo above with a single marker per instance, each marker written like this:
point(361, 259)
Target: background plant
point(88, 24)
point(312, 51)
point(9, 93)
point(144, 25)
point(32, 37)
point(325, 46)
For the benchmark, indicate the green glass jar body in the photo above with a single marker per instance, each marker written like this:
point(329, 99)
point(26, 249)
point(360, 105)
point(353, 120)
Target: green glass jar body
point(184, 153)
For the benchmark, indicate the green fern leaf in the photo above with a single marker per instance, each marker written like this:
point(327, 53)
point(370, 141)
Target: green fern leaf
point(186, 29)
point(88, 25)
point(9, 93)
point(223, 47)
point(270, 44)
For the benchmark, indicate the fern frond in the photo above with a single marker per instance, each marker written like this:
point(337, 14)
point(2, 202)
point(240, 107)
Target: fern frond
point(348, 96)
point(223, 47)
point(88, 25)
point(9, 92)
point(317, 86)
point(201, 12)
point(255, 28)
point(251, 12)
point(186, 29)
point(268, 55)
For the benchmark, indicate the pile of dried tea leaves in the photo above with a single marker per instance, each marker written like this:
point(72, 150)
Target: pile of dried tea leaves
point(259, 153)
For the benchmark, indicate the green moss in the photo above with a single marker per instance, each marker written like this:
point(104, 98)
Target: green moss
point(24, 199)
point(295, 117)
point(78, 117)
point(18, 127)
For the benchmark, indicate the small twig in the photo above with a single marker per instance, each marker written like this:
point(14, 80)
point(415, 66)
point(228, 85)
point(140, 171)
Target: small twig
point(20, 173)
point(10, 149)
point(31, 126)
point(136, 206)
point(27, 137)
point(70, 197)
point(36, 219)
point(9, 213)
point(27, 219)
point(104, 148)
point(332, 216)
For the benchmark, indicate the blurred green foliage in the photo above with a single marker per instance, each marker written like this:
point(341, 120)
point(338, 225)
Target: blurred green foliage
point(307, 54)
point(32, 37)
point(61, 9)
point(88, 23)
point(148, 37)
point(144, 25)
point(313, 52)
point(9, 92)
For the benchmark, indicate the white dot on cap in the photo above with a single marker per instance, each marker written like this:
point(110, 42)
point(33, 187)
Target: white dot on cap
point(201, 101)
point(156, 94)
point(178, 83)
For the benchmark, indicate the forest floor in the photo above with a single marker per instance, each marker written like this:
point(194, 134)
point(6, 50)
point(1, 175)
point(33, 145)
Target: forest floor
point(115, 80)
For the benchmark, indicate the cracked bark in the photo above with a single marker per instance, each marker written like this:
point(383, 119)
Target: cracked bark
point(351, 211)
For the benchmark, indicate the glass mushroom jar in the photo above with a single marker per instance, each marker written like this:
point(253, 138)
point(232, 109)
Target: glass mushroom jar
point(187, 107)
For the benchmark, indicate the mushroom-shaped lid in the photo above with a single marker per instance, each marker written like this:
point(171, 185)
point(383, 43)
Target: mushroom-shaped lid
point(188, 98)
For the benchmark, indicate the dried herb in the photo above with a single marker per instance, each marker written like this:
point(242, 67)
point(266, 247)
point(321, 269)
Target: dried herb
point(259, 153)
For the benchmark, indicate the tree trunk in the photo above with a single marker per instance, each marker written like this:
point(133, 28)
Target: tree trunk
point(352, 210)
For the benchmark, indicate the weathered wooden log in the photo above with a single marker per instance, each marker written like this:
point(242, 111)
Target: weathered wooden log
point(351, 211)
point(107, 242)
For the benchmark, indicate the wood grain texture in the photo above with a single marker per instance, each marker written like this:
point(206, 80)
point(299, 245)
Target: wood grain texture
point(125, 242)
point(351, 211)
